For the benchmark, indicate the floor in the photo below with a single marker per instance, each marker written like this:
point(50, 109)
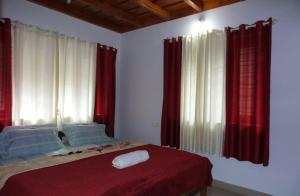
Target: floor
point(214, 191)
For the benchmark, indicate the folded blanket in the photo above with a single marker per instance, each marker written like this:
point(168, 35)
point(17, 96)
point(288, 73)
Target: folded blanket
point(130, 159)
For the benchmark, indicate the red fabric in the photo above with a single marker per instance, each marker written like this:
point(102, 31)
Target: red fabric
point(5, 74)
point(170, 122)
point(248, 93)
point(105, 88)
point(167, 172)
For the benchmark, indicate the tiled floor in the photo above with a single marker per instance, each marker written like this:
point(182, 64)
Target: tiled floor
point(214, 191)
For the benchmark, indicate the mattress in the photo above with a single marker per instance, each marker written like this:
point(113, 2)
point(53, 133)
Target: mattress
point(90, 172)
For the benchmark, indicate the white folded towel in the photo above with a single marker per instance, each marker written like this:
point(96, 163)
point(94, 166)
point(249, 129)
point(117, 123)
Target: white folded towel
point(130, 159)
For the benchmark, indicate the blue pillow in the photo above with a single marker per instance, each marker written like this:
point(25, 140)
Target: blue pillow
point(2, 149)
point(85, 134)
point(30, 142)
point(22, 127)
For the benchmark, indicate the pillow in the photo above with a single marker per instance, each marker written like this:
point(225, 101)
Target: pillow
point(84, 134)
point(22, 127)
point(29, 142)
point(2, 149)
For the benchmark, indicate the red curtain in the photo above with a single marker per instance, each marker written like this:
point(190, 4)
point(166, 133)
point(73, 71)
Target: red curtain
point(248, 93)
point(5, 74)
point(105, 88)
point(170, 122)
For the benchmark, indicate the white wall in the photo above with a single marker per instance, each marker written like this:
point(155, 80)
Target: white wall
point(33, 14)
point(141, 91)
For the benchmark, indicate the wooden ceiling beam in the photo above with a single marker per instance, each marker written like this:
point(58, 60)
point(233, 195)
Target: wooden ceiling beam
point(195, 4)
point(155, 9)
point(91, 18)
point(110, 10)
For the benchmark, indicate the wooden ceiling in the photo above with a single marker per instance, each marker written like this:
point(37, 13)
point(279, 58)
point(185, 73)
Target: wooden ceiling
point(127, 15)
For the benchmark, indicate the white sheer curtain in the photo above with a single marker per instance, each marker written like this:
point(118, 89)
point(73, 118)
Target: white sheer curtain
point(202, 92)
point(34, 75)
point(53, 77)
point(77, 72)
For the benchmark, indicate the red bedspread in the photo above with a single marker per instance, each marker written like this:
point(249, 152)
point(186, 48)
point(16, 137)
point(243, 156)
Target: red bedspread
point(167, 172)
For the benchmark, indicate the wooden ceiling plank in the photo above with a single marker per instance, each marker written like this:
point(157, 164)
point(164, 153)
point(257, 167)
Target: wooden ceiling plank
point(172, 4)
point(78, 14)
point(113, 11)
point(207, 5)
point(164, 3)
point(118, 19)
point(195, 4)
point(155, 9)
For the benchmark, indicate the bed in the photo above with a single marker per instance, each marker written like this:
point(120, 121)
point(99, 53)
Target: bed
point(90, 172)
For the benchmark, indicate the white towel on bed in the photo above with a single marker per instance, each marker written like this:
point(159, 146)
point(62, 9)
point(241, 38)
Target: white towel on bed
point(130, 159)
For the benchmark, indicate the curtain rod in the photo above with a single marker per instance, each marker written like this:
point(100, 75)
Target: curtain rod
point(274, 21)
point(173, 38)
point(108, 47)
point(16, 22)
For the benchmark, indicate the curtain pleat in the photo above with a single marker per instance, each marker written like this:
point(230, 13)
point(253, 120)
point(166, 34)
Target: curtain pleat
point(5, 74)
point(170, 122)
point(248, 93)
point(104, 111)
point(53, 77)
point(202, 115)
point(34, 75)
point(76, 82)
